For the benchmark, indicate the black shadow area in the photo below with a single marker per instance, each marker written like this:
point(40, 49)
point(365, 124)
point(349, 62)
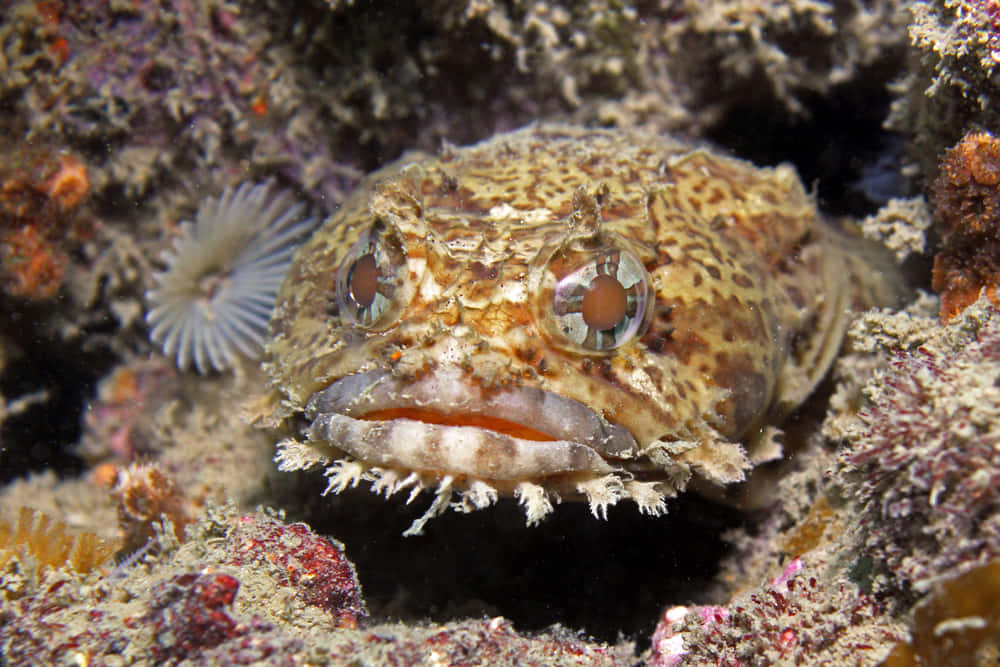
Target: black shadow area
point(606, 578)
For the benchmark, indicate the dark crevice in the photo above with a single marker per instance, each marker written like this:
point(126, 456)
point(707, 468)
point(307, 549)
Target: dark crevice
point(838, 145)
point(44, 436)
point(606, 578)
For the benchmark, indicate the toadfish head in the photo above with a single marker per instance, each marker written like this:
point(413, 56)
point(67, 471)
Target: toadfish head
point(555, 313)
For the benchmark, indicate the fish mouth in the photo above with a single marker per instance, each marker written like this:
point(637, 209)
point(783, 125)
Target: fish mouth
point(444, 423)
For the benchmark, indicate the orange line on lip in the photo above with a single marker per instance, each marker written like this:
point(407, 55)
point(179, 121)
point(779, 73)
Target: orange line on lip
point(497, 424)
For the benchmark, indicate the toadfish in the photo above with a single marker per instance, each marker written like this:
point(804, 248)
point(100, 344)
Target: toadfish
point(560, 313)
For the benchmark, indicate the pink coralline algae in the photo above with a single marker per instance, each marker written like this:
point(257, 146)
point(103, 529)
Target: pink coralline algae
point(800, 617)
point(924, 463)
point(314, 565)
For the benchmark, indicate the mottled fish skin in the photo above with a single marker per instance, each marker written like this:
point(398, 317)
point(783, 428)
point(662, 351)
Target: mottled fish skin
point(750, 292)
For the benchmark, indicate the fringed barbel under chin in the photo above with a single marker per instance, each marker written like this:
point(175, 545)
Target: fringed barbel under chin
point(467, 494)
point(442, 498)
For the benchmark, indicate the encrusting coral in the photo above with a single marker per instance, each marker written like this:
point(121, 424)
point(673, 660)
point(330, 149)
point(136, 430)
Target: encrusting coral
point(966, 199)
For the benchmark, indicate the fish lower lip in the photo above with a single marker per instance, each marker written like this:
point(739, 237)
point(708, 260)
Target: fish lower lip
point(467, 451)
point(444, 398)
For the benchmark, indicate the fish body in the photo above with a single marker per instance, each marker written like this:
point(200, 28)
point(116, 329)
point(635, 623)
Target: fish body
point(560, 312)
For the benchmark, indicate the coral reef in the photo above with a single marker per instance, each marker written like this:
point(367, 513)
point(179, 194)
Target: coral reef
point(40, 192)
point(162, 103)
point(318, 92)
point(868, 349)
point(901, 225)
point(192, 603)
point(735, 50)
point(793, 590)
point(246, 589)
point(480, 642)
point(121, 118)
point(204, 86)
point(920, 461)
point(952, 83)
point(966, 201)
point(803, 616)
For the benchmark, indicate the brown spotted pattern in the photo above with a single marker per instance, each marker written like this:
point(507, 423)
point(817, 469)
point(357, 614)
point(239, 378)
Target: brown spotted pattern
point(748, 302)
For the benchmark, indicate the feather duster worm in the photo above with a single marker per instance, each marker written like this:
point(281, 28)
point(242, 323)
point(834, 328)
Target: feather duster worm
point(215, 297)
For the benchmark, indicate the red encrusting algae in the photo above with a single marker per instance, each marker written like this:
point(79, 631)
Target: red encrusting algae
point(314, 565)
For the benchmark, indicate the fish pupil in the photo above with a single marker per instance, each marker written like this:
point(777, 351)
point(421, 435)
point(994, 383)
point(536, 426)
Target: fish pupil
point(604, 303)
point(364, 280)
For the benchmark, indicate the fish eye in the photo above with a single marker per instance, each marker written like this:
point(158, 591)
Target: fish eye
point(601, 304)
point(362, 280)
point(370, 281)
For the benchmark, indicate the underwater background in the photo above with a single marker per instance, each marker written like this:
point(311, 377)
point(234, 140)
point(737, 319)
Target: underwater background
point(143, 519)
